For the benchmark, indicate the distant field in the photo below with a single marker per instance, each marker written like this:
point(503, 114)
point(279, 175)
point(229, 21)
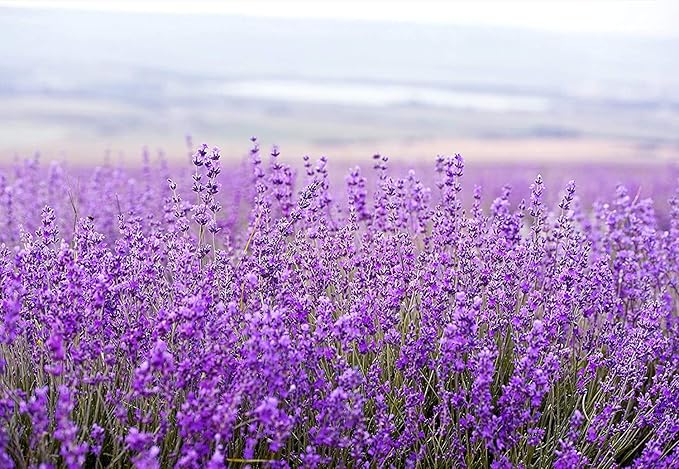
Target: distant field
point(83, 130)
point(407, 90)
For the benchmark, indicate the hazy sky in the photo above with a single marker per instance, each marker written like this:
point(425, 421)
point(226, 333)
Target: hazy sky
point(640, 17)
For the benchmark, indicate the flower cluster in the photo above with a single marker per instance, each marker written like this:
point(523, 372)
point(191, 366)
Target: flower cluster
point(256, 316)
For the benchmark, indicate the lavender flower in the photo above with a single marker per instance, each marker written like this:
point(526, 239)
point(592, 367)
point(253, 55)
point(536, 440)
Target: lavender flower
point(253, 314)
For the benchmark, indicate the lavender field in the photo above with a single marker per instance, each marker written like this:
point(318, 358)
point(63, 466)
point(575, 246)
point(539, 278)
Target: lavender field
point(265, 315)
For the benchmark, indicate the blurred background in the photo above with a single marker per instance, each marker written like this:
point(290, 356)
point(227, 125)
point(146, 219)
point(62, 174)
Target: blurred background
point(496, 81)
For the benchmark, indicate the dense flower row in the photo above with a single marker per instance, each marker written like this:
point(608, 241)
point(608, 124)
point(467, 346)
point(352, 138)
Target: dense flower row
point(257, 317)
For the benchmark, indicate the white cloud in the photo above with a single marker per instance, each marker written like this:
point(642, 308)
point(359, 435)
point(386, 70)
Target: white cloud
point(654, 18)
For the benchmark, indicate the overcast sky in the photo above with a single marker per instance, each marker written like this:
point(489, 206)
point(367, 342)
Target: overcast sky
point(641, 17)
